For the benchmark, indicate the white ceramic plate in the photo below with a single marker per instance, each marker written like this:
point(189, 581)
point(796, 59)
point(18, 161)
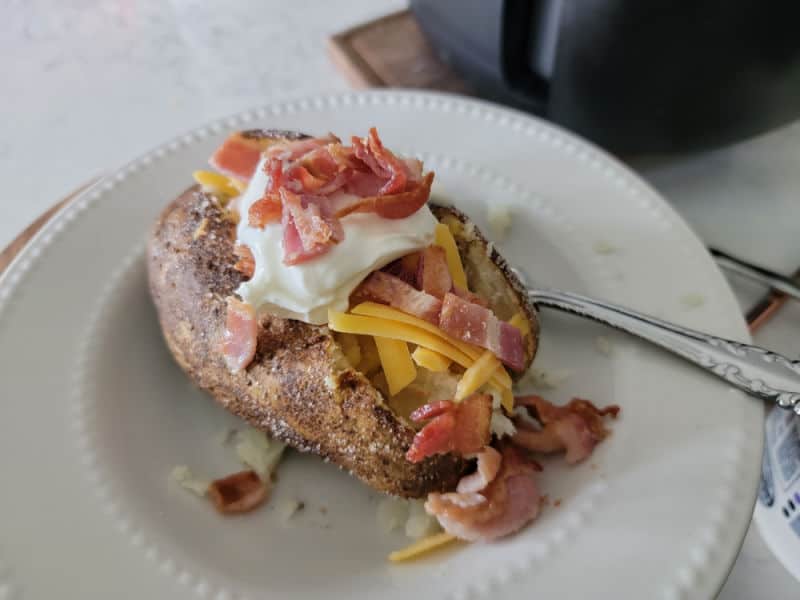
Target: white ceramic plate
point(94, 413)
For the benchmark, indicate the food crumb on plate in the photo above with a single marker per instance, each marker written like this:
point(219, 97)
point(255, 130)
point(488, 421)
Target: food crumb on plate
point(184, 477)
point(692, 300)
point(258, 451)
point(557, 502)
point(545, 379)
point(392, 513)
point(603, 345)
point(500, 220)
point(604, 248)
point(290, 508)
point(225, 436)
point(420, 523)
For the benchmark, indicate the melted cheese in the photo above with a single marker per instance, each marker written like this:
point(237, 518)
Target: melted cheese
point(396, 362)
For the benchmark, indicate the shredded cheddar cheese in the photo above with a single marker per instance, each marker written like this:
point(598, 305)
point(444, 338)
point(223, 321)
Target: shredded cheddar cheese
point(476, 375)
point(445, 239)
point(428, 359)
point(381, 311)
point(396, 362)
point(367, 325)
point(216, 183)
point(422, 546)
point(370, 361)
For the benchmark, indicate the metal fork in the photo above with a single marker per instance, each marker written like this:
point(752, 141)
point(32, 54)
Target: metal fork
point(757, 371)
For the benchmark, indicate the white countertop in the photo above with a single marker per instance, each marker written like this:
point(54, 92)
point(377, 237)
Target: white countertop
point(88, 84)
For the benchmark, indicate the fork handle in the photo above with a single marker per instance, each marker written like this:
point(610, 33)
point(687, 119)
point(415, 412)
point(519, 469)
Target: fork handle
point(757, 371)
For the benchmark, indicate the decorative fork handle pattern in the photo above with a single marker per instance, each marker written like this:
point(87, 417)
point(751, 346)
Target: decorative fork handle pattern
point(755, 370)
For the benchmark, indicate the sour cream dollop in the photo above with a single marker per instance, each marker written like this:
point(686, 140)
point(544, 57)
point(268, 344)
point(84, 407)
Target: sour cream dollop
point(308, 290)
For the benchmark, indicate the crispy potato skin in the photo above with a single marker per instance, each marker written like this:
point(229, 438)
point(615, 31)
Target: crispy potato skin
point(296, 388)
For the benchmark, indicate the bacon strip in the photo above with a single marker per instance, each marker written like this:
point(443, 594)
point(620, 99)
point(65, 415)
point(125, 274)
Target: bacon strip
point(576, 427)
point(462, 428)
point(241, 335)
point(393, 206)
point(568, 433)
point(547, 412)
point(478, 325)
point(388, 289)
point(505, 505)
point(433, 274)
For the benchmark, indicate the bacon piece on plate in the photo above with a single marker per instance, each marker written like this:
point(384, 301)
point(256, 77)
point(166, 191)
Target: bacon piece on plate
point(264, 211)
point(239, 155)
point(568, 433)
point(238, 493)
point(508, 502)
point(462, 427)
point(478, 325)
point(308, 227)
point(488, 465)
point(576, 427)
point(246, 263)
point(433, 274)
point(547, 412)
point(388, 289)
point(241, 334)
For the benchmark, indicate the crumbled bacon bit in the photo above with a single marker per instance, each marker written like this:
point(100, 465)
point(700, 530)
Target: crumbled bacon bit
point(478, 325)
point(388, 289)
point(576, 427)
point(240, 336)
point(328, 181)
point(433, 274)
point(264, 211)
point(238, 493)
point(463, 428)
point(246, 263)
point(509, 501)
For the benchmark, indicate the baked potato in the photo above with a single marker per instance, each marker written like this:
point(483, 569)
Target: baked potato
point(300, 388)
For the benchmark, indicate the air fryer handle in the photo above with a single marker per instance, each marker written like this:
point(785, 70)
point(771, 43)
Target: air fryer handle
point(529, 44)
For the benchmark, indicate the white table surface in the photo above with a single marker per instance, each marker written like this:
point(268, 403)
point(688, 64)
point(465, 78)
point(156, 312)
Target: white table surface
point(88, 84)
